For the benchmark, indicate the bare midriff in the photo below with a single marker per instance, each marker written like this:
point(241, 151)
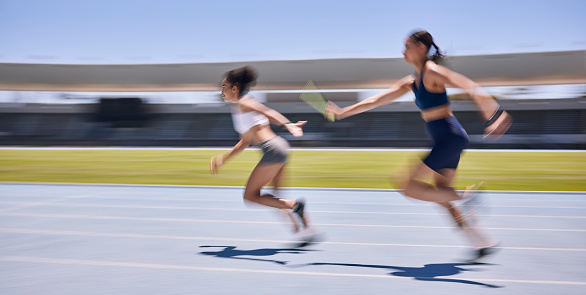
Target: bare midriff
point(259, 133)
point(436, 113)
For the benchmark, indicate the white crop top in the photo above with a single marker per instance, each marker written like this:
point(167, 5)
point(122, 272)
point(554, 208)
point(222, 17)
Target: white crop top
point(243, 121)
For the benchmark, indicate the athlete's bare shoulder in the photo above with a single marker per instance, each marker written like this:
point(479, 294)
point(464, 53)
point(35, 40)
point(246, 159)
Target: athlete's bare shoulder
point(406, 82)
point(436, 74)
point(249, 104)
point(431, 68)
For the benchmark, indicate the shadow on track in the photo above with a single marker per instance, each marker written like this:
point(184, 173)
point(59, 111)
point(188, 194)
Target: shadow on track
point(233, 253)
point(429, 272)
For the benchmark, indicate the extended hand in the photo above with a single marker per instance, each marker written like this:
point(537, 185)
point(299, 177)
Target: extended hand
point(333, 112)
point(499, 127)
point(215, 163)
point(295, 128)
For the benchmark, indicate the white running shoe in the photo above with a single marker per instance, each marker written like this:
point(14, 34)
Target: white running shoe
point(308, 236)
point(472, 202)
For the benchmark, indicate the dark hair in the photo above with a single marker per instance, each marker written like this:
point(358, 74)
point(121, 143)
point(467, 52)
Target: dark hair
point(243, 78)
point(427, 40)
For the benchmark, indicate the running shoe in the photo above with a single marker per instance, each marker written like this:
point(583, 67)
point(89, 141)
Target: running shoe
point(291, 219)
point(299, 211)
point(308, 236)
point(481, 253)
point(471, 203)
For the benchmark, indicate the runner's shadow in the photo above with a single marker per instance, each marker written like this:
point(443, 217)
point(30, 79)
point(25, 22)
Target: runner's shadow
point(429, 272)
point(233, 253)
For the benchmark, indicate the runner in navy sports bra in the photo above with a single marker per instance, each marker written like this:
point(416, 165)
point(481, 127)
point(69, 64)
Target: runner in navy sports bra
point(425, 99)
point(449, 138)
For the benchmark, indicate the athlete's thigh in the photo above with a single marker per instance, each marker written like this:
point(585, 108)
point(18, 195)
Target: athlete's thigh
point(445, 178)
point(421, 170)
point(262, 175)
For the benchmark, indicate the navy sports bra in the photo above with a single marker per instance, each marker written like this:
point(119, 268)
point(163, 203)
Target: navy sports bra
point(425, 99)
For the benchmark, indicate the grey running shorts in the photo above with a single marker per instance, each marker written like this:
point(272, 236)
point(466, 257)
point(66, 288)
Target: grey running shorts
point(274, 150)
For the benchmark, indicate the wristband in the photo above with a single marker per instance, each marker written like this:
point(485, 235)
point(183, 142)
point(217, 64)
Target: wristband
point(495, 116)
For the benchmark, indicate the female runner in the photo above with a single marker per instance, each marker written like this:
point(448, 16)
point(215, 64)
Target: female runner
point(449, 138)
point(251, 120)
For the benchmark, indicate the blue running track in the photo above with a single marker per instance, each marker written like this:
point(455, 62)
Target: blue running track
point(115, 239)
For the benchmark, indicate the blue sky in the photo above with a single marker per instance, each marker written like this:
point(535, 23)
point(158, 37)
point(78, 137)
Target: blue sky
point(181, 31)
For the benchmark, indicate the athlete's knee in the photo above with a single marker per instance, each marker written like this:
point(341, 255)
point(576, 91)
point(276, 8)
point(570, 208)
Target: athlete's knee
point(410, 193)
point(400, 181)
point(251, 195)
point(410, 189)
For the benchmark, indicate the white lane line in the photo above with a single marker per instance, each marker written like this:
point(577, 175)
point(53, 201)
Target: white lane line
point(43, 203)
point(171, 237)
point(246, 209)
point(29, 259)
point(239, 202)
point(237, 198)
point(164, 219)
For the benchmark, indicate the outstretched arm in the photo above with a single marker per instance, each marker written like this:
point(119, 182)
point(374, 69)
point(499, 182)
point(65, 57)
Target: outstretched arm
point(498, 120)
point(397, 90)
point(485, 102)
point(248, 104)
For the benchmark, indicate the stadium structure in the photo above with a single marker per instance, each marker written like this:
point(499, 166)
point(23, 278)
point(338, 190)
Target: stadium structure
point(121, 120)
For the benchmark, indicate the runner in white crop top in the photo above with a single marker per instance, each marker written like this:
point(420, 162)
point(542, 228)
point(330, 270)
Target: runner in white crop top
point(251, 120)
point(243, 121)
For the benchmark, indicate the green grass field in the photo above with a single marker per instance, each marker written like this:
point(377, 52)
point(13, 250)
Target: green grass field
point(531, 171)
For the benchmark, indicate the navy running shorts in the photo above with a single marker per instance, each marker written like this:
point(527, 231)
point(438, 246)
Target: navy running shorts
point(449, 140)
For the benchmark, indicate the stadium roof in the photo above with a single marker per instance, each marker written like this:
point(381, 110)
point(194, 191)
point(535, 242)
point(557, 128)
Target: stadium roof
point(561, 67)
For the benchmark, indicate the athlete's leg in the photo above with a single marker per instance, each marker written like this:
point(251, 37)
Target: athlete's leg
point(262, 175)
point(277, 180)
point(449, 139)
point(445, 180)
point(413, 187)
point(473, 232)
